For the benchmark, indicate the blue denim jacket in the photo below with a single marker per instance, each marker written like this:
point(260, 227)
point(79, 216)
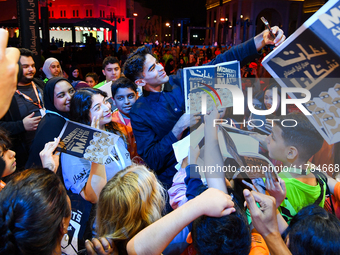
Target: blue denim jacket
point(155, 114)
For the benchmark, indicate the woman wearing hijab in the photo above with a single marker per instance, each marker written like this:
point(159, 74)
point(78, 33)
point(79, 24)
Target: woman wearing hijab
point(52, 69)
point(74, 75)
point(57, 97)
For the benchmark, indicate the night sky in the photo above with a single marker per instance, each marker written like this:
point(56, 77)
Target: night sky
point(171, 9)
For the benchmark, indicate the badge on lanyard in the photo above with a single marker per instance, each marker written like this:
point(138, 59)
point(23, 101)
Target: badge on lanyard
point(42, 112)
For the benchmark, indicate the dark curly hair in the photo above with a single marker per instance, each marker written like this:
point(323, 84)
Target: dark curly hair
point(80, 108)
point(81, 104)
point(133, 66)
point(229, 234)
point(32, 207)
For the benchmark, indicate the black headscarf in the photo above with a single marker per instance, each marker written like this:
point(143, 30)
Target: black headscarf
point(49, 95)
point(71, 78)
point(50, 125)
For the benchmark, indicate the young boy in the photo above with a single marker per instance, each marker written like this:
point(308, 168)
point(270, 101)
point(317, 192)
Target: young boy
point(124, 94)
point(294, 146)
point(111, 70)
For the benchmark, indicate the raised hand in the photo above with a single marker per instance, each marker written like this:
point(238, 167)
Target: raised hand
point(275, 188)
point(95, 122)
point(215, 203)
point(263, 218)
point(279, 36)
point(185, 121)
point(9, 67)
point(49, 159)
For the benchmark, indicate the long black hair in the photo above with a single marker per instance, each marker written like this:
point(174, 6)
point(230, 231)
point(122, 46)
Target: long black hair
point(32, 207)
point(81, 103)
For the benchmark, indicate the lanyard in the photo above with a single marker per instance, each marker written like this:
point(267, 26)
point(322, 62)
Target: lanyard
point(30, 99)
point(52, 112)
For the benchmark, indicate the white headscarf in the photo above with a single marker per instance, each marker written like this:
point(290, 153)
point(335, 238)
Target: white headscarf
point(46, 67)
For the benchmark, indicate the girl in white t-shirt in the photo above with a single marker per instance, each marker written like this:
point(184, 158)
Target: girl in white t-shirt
point(91, 107)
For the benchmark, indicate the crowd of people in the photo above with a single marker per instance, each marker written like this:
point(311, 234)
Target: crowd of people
point(138, 202)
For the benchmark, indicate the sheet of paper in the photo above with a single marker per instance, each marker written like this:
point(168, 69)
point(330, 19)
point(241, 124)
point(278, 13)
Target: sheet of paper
point(181, 148)
point(107, 88)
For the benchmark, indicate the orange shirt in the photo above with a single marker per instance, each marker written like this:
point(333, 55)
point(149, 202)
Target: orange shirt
point(258, 245)
point(2, 185)
point(124, 125)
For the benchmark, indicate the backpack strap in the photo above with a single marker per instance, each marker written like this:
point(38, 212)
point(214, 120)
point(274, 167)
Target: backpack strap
point(322, 180)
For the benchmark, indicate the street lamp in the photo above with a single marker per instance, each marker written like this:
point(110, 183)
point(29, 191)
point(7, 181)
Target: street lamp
point(167, 24)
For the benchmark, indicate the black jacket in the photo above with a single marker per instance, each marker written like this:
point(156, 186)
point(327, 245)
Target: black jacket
point(13, 124)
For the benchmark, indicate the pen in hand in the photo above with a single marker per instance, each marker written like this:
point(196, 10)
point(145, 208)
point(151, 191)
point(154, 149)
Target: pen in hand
point(265, 22)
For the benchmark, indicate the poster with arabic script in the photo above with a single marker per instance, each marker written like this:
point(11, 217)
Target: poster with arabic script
point(85, 142)
point(209, 85)
point(310, 59)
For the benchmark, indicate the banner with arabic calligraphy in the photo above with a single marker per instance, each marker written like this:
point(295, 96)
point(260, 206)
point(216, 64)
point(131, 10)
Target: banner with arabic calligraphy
point(207, 85)
point(28, 17)
point(310, 59)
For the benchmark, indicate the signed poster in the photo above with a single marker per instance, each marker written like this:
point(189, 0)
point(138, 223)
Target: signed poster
point(310, 59)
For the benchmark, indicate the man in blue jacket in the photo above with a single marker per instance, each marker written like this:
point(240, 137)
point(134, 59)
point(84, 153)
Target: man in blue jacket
point(158, 118)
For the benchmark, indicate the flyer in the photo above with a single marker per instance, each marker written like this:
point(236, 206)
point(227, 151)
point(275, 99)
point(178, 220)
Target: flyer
point(85, 142)
point(310, 59)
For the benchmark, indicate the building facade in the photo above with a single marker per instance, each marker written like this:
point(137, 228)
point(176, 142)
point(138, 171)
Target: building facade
point(235, 21)
point(63, 13)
